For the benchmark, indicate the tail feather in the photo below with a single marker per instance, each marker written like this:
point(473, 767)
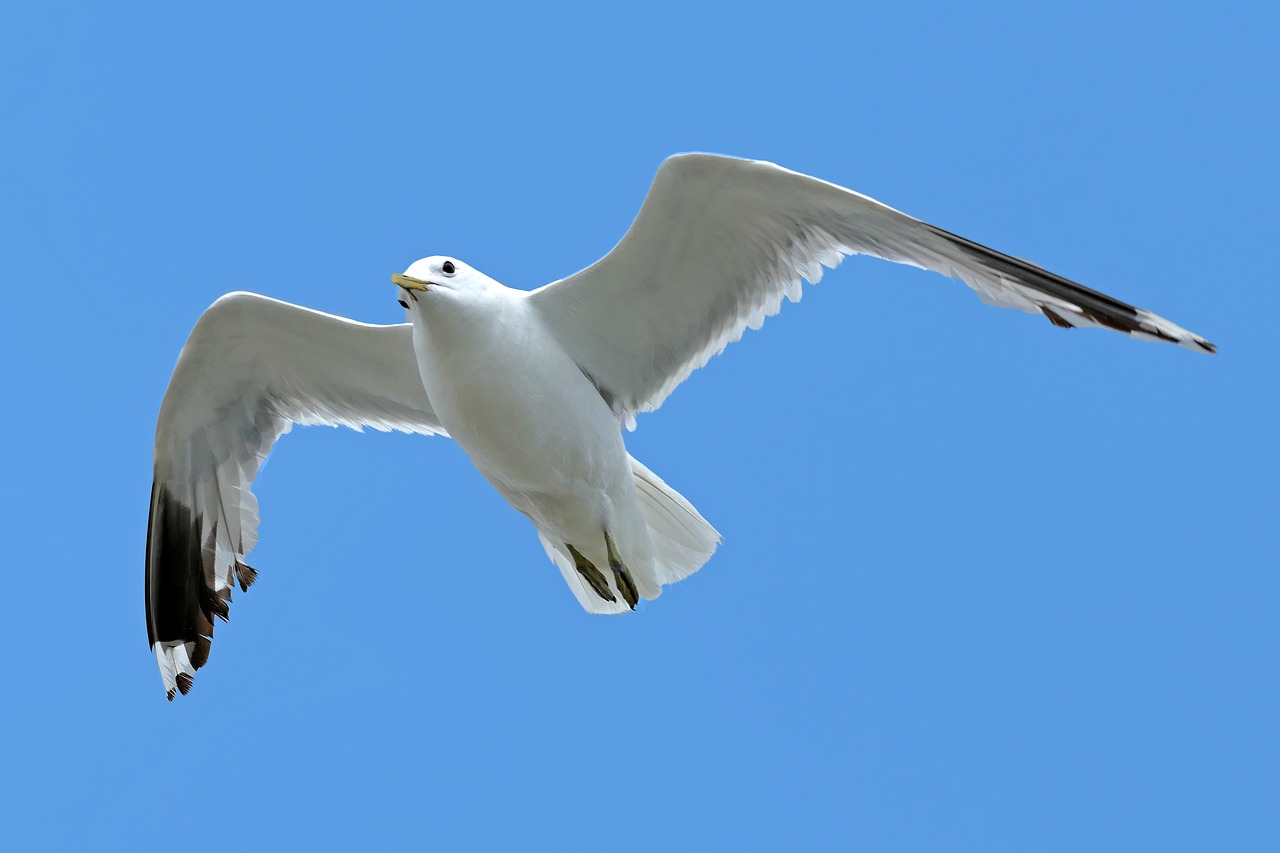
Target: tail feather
point(682, 539)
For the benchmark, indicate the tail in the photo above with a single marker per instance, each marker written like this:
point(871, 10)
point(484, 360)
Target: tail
point(682, 542)
point(682, 539)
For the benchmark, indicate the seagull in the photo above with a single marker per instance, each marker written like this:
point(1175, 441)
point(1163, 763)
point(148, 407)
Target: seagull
point(536, 386)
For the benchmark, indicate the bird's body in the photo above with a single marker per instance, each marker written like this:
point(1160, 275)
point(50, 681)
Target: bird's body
point(533, 424)
point(536, 386)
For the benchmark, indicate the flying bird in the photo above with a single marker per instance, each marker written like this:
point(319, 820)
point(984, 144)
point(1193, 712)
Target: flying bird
point(536, 386)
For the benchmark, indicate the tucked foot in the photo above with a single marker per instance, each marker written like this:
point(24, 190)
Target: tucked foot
point(592, 575)
point(621, 576)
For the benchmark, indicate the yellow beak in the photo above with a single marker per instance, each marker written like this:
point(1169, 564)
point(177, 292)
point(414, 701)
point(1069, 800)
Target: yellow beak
point(409, 283)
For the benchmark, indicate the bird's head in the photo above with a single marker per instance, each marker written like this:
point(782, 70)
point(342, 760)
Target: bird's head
point(439, 276)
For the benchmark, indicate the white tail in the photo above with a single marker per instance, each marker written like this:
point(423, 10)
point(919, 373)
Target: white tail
point(682, 542)
point(682, 539)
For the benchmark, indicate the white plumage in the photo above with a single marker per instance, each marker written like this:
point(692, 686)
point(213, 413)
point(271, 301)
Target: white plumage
point(536, 386)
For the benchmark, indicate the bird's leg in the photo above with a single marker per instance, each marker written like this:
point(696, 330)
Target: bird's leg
point(621, 576)
point(591, 574)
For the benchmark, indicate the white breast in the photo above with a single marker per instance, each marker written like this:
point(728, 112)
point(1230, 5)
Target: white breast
point(517, 403)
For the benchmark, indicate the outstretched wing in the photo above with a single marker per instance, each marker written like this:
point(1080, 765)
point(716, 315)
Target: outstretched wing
point(251, 369)
point(720, 241)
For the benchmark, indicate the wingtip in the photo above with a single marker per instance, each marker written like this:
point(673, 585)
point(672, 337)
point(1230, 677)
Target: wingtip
point(246, 575)
point(176, 670)
point(220, 608)
point(1055, 318)
point(200, 654)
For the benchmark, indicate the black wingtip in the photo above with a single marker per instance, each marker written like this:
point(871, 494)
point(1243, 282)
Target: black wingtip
point(200, 654)
point(184, 684)
point(218, 607)
point(1056, 319)
point(169, 694)
point(1206, 346)
point(246, 575)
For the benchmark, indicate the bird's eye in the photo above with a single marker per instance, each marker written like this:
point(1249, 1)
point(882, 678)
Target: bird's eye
point(448, 268)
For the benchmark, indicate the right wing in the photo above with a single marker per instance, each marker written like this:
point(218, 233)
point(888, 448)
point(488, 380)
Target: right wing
point(719, 242)
point(252, 368)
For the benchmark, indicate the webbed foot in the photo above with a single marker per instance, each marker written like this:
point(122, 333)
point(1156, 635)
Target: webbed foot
point(591, 574)
point(621, 576)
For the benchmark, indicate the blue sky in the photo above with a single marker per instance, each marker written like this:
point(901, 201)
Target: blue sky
point(985, 584)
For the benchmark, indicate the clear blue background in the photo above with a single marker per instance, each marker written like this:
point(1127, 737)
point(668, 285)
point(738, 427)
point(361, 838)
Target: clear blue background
point(985, 584)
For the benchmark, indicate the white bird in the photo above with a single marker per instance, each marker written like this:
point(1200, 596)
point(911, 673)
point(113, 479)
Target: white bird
point(536, 386)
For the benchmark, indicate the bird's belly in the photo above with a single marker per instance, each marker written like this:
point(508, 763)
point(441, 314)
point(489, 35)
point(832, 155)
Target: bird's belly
point(529, 419)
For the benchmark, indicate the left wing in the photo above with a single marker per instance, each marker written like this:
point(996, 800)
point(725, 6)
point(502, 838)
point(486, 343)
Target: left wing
point(720, 241)
point(251, 369)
